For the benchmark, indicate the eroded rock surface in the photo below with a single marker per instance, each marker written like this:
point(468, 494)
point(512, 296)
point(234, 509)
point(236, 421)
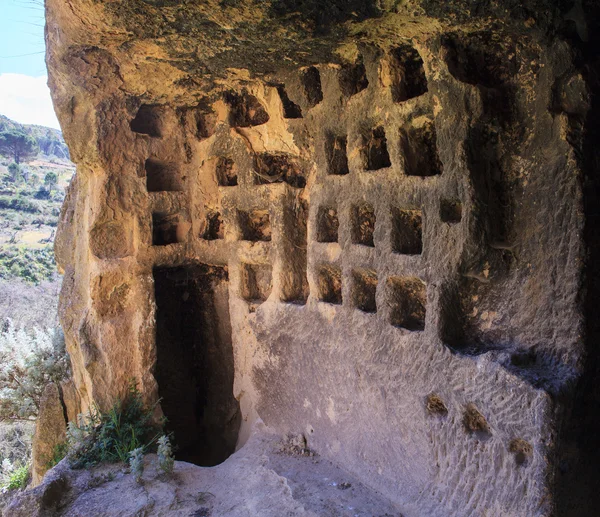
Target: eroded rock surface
point(262, 479)
point(50, 432)
point(365, 222)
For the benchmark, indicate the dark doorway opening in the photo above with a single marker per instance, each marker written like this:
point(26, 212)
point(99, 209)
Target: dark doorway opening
point(195, 366)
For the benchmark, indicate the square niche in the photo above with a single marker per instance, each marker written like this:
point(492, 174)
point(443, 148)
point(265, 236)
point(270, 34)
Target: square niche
point(328, 224)
point(256, 282)
point(362, 220)
point(364, 288)
point(255, 225)
point(329, 285)
point(407, 231)
point(407, 299)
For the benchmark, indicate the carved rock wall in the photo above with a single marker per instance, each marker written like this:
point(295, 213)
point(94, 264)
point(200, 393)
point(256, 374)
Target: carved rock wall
point(373, 236)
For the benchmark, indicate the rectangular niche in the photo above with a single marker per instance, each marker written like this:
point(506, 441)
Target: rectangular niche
point(450, 211)
point(336, 154)
point(162, 176)
point(245, 110)
point(327, 224)
point(214, 226)
point(292, 250)
point(352, 79)
point(364, 288)
point(311, 83)
point(256, 282)
point(167, 229)
point(227, 172)
point(374, 149)
point(407, 231)
point(407, 299)
point(419, 148)
point(407, 73)
point(147, 121)
point(255, 225)
point(278, 168)
point(329, 284)
point(290, 108)
point(362, 219)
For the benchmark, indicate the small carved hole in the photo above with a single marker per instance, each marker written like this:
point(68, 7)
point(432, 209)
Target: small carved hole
point(407, 232)
point(336, 154)
point(162, 176)
point(364, 290)
point(408, 75)
point(148, 121)
point(327, 225)
point(474, 421)
point(227, 172)
point(353, 79)
point(363, 225)
point(166, 229)
point(255, 225)
point(290, 109)
point(407, 298)
point(214, 226)
point(375, 150)
point(435, 405)
point(245, 110)
point(450, 211)
point(278, 168)
point(330, 284)
point(311, 82)
point(419, 148)
point(256, 282)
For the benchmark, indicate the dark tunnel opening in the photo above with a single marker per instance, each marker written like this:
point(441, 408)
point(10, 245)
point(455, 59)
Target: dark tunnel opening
point(195, 364)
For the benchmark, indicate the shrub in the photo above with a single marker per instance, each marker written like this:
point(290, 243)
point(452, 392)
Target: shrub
point(58, 453)
point(16, 478)
point(30, 360)
point(14, 172)
point(21, 204)
point(32, 265)
point(15, 442)
point(136, 463)
point(165, 455)
point(112, 435)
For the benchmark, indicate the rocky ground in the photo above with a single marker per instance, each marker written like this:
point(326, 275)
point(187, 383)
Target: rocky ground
point(267, 477)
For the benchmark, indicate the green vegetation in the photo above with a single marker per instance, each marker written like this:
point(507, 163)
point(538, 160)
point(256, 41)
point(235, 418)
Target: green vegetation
point(18, 145)
point(17, 478)
point(49, 141)
point(30, 360)
point(166, 461)
point(58, 453)
point(112, 435)
point(136, 463)
point(31, 195)
point(32, 265)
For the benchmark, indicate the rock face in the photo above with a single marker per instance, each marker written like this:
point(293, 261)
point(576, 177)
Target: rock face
point(371, 223)
point(50, 428)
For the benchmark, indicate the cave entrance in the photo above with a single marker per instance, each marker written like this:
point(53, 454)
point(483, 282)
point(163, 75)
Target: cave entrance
point(195, 366)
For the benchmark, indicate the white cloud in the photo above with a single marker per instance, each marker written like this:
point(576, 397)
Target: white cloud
point(27, 100)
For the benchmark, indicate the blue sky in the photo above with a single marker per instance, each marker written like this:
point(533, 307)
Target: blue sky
point(24, 96)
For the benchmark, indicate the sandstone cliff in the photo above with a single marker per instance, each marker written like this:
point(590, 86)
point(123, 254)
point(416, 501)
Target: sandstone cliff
point(369, 222)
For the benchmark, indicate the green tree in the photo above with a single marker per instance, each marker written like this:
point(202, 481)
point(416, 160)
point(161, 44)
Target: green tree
point(14, 172)
point(20, 146)
point(51, 180)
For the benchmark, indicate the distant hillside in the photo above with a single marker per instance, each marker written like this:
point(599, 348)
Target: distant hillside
point(49, 140)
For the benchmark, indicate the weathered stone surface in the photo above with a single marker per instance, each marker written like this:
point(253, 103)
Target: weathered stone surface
point(50, 431)
point(266, 478)
point(329, 212)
